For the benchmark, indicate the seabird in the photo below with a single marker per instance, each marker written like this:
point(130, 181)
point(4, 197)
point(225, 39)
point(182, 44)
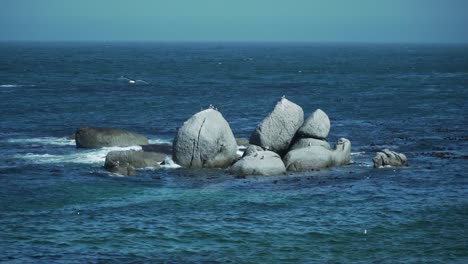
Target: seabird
point(211, 106)
point(132, 81)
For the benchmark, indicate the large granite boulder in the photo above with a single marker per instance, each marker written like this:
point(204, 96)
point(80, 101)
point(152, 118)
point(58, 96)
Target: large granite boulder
point(205, 141)
point(277, 130)
point(97, 137)
point(318, 157)
point(309, 142)
point(317, 125)
point(259, 163)
point(125, 162)
point(387, 157)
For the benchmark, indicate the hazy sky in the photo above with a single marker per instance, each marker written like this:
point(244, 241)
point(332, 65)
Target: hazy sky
point(236, 20)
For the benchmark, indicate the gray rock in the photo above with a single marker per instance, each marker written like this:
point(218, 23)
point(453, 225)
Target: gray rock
point(277, 130)
point(95, 137)
point(387, 157)
point(205, 141)
point(317, 125)
point(318, 157)
point(259, 163)
point(251, 149)
point(125, 162)
point(309, 142)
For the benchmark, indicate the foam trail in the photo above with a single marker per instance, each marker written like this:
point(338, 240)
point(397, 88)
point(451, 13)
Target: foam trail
point(15, 85)
point(63, 141)
point(94, 156)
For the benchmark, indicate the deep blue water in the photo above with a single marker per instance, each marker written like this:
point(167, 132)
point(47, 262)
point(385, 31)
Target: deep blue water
point(57, 204)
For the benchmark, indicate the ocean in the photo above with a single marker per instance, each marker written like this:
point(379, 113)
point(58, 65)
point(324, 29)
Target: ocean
point(59, 205)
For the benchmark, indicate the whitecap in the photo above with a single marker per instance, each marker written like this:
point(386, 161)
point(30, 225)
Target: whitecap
point(62, 141)
point(360, 153)
point(15, 85)
point(159, 141)
point(170, 164)
point(81, 156)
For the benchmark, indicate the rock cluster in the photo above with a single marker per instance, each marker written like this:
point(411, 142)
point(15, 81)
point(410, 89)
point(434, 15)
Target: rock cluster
point(281, 142)
point(302, 145)
point(387, 157)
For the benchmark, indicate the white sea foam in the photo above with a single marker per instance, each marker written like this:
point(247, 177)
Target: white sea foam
point(159, 141)
point(81, 156)
point(62, 141)
point(360, 153)
point(169, 164)
point(15, 85)
point(241, 150)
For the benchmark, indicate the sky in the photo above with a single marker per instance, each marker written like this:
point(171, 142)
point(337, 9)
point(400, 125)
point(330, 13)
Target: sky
point(423, 21)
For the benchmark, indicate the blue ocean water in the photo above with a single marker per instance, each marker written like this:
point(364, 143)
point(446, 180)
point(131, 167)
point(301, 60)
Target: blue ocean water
point(58, 204)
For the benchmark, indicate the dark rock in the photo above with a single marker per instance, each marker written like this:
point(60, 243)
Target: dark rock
point(93, 137)
point(277, 130)
point(205, 141)
point(125, 162)
point(387, 157)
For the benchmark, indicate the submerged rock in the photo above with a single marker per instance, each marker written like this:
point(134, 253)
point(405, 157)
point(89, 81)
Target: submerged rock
point(259, 163)
point(96, 137)
point(387, 157)
point(277, 130)
point(317, 125)
point(125, 162)
point(205, 141)
point(309, 142)
point(318, 157)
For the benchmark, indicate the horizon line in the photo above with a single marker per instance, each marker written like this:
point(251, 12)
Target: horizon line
point(234, 41)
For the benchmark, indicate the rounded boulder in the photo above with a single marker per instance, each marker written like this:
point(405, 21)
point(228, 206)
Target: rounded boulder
point(317, 125)
point(205, 141)
point(277, 130)
point(259, 163)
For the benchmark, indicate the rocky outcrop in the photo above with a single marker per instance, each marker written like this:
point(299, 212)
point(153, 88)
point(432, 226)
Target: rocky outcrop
point(94, 137)
point(318, 157)
point(126, 162)
point(387, 157)
point(277, 130)
point(205, 141)
point(259, 163)
point(317, 125)
point(309, 142)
